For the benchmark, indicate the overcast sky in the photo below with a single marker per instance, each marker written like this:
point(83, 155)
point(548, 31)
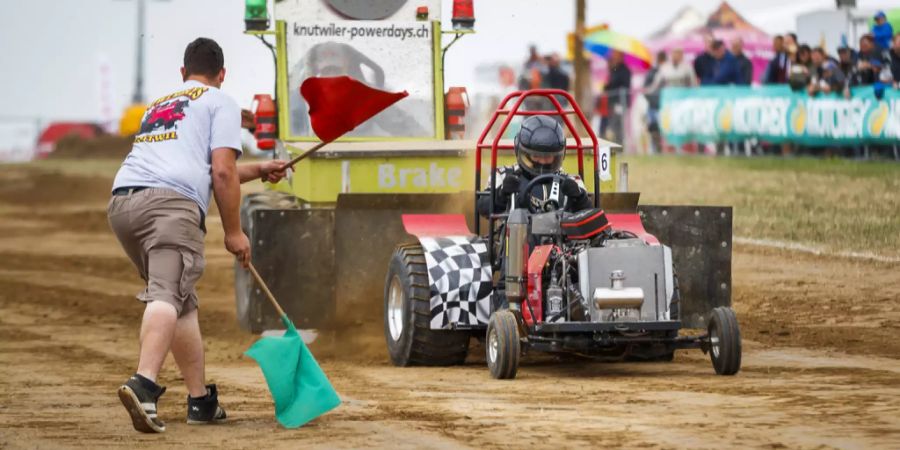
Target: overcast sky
point(52, 49)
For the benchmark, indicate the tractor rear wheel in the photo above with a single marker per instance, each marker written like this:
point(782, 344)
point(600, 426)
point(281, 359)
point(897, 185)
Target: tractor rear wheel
point(407, 315)
point(502, 346)
point(724, 341)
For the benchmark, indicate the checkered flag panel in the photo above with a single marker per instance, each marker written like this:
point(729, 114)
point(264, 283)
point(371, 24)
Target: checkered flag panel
point(460, 276)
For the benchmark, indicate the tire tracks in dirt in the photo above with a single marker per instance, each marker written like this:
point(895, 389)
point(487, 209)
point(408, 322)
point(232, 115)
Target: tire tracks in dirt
point(68, 337)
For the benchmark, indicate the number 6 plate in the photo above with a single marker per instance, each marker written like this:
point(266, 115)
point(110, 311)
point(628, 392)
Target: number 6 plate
point(604, 164)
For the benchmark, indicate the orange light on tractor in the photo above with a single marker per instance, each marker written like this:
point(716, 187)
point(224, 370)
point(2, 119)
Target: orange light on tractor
point(264, 117)
point(463, 15)
point(456, 103)
point(422, 13)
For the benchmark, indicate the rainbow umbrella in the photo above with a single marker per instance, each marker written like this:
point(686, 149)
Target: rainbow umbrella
point(636, 54)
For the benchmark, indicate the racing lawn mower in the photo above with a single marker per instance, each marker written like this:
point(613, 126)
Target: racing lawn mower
point(541, 278)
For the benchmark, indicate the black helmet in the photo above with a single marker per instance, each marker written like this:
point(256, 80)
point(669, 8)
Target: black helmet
point(540, 136)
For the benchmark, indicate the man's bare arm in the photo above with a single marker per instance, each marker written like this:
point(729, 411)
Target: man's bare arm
point(249, 172)
point(271, 171)
point(227, 190)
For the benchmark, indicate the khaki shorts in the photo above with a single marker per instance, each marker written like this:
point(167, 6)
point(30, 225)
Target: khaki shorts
point(160, 231)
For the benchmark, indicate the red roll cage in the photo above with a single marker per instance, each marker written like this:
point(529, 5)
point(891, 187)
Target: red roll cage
point(517, 98)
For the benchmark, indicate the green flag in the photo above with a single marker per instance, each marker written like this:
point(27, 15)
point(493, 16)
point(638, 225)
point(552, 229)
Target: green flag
point(300, 389)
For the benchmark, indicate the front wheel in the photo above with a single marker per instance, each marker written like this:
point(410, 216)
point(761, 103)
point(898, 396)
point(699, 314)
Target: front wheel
point(502, 346)
point(407, 313)
point(724, 341)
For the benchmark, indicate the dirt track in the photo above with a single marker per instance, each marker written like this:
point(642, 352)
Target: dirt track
point(821, 363)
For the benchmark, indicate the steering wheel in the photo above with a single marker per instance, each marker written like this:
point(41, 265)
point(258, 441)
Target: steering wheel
point(549, 205)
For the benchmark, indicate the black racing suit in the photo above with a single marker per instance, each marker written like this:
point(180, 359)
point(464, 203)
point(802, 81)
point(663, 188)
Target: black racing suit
point(536, 200)
point(572, 196)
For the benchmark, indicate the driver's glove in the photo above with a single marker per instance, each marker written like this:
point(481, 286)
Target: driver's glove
point(511, 184)
point(571, 189)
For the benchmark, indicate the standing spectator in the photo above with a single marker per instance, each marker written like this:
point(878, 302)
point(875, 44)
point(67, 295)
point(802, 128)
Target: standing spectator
point(865, 72)
point(894, 55)
point(653, 99)
point(725, 67)
point(616, 96)
point(804, 56)
point(801, 68)
point(797, 77)
point(555, 77)
point(675, 73)
point(532, 71)
point(704, 63)
point(777, 70)
point(652, 75)
point(883, 32)
point(533, 78)
point(534, 59)
point(744, 66)
point(791, 46)
point(725, 72)
point(826, 77)
point(846, 59)
point(867, 48)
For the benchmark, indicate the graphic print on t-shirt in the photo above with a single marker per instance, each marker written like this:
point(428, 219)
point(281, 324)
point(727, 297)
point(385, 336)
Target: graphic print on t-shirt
point(164, 114)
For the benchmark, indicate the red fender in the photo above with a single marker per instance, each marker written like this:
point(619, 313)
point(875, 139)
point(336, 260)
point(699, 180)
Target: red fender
point(436, 225)
point(633, 224)
point(536, 263)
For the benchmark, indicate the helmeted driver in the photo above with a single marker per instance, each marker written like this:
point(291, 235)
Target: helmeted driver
point(540, 150)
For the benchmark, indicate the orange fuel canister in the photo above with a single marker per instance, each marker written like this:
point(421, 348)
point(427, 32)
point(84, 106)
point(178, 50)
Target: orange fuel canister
point(264, 120)
point(457, 102)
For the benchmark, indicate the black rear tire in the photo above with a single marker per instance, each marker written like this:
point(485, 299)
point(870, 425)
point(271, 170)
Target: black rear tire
point(724, 341)
point(407, 316)
point(502, 347)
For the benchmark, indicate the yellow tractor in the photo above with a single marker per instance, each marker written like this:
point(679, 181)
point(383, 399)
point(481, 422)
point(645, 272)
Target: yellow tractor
point(323, 237)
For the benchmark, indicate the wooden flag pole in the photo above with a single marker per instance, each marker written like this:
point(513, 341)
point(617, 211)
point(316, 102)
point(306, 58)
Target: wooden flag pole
point(262, 284)
point(304, 155)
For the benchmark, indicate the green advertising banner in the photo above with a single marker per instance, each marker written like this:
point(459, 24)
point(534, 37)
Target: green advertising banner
point(776, 114)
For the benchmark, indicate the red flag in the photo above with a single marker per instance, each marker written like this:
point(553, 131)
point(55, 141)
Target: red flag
point(338, 104)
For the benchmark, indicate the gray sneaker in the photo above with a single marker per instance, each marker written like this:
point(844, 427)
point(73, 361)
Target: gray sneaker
point(205, 410)
point(139, 395)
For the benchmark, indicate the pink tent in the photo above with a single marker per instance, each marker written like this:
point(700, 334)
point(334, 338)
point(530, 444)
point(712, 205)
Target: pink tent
point(725, 24)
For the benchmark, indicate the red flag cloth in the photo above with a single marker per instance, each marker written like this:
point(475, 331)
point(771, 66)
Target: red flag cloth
point(338, 104)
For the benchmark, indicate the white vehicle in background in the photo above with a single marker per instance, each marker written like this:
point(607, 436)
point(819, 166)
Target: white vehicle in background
point(833, 28)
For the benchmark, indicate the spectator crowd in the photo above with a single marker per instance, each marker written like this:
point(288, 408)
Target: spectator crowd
point(814, 70)
point(875, 62)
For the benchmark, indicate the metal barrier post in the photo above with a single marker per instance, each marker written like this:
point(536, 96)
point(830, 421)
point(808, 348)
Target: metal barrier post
point(622, 184)
point(623, 107)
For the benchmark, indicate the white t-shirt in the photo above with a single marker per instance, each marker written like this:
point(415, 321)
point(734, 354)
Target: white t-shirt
point(173, 148)
point(670, 75)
